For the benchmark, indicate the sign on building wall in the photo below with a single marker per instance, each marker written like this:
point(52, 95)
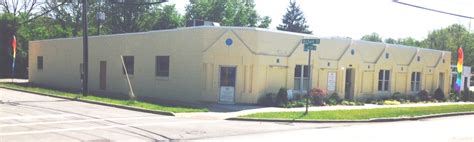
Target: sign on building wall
point(331, 81)
point(227, 94)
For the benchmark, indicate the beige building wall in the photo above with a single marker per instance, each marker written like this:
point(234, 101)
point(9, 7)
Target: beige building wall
point(265, 60)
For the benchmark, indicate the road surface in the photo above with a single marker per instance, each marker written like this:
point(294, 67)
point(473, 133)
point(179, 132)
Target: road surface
point(29, 117)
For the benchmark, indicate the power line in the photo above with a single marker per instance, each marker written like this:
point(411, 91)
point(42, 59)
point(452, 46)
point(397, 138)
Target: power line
point(434, 10)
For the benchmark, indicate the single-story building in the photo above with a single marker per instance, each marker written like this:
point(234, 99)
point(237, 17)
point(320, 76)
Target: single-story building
point(236, 65)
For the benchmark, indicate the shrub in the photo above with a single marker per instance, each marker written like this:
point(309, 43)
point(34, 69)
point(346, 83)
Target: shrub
point(318, 96)
point(297, 96)
point(424, 95)
point(300, 103)
point(348, 103)
point(282, 97)
point(333, 99)
point(266, 100)
point(413, 98)
point(399, 97)
point(391, 102)
point(439, 95)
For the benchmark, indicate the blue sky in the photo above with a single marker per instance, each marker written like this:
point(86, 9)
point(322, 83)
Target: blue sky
point(355, 18)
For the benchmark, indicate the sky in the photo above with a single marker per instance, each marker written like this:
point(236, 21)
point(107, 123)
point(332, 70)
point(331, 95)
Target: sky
point(356, 18)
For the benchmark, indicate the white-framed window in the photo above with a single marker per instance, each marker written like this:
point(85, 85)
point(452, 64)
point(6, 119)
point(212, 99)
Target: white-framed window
point(301, 77)
point(384, 80)
point(415, 81)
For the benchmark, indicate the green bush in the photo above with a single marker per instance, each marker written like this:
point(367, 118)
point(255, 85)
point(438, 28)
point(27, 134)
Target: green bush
point(317, 96)
point(333, 99)
point(297, 96)
point(399, 97)
point(282, 97)
point(413, 98)
point(439, 95)
point(391, 102)
point(267, 100)
point(348, 103)
point(424, 95)
point(291, 104)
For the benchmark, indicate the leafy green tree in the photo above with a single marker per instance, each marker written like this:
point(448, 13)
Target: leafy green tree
point(228, 13)
point(265, 22)
point(125, 18)
point(372, 37)
point(450, 39)
point(391, 41)
point(409, 41)
point(167, 18)
point(294, 20)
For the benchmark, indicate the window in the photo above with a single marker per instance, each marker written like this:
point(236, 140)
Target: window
point(129, 64)
point(384, 80)
point(415, 81)
point(301, 77)
point(162, 64)
point(40, 63)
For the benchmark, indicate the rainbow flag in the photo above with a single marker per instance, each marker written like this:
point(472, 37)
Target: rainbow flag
point(458, 84)
point(14, 55)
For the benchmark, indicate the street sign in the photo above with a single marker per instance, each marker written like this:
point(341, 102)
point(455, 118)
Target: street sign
point(308, 47)
point(311, 41)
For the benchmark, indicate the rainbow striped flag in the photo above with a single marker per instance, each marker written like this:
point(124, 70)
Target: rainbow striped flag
point(14, 55)
point(458, 84)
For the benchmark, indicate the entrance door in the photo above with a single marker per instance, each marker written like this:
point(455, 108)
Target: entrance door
point(441, 81)
point(227, 85)
point(103, 75)
point(349, 84)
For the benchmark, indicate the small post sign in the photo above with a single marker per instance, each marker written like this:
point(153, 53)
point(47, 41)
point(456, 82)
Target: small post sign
point(309, 45)
point(311, 41)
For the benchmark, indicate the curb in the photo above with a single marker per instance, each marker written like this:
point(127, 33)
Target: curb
point(353, 121)
point(98, 103)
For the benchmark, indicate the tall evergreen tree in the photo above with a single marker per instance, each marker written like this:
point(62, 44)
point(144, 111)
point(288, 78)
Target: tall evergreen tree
point(294, 20)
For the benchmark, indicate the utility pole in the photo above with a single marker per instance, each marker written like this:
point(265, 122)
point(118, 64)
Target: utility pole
point(85, 46)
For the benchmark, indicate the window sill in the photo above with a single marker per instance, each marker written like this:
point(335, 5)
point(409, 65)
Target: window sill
point(162, 78)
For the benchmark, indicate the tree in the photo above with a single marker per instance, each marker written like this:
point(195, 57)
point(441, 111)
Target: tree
point(126, 18)
point(167, 18)
point(240, 13)
point(450, 39)
point(372, 37)
point(294, 20)
point(391, 41)
point(409, 41)
point(265, 22)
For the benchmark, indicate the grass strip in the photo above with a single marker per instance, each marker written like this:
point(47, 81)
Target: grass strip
point(364, 114)
point(139, 104)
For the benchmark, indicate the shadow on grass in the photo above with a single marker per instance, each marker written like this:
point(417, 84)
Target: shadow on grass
point(301, 116)
point(75, 94)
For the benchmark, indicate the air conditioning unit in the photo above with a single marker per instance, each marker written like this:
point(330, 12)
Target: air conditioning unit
point(196, 22)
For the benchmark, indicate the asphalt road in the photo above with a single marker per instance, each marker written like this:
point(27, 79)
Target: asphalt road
point(29, 117)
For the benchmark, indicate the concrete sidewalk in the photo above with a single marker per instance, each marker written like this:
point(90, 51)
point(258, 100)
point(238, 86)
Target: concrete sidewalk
point(13, 80)
point(250, 109)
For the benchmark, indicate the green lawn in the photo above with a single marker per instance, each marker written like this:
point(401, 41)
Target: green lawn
point(139, 104)
point(365, 114)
